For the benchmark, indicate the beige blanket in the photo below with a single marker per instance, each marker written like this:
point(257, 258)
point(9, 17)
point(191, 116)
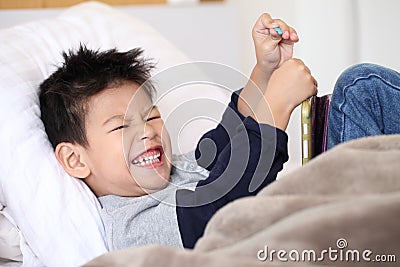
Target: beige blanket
point(340, 209)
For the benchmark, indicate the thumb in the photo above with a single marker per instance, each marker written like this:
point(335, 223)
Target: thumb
point(268, 43)
point(267, 36)
point(275, 34)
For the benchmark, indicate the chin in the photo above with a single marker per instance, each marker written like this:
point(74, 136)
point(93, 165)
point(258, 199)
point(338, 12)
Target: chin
point(155, 187)
point(154, 183)
point(164, 182)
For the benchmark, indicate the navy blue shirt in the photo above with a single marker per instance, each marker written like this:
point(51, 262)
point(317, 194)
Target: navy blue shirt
point(242, 156)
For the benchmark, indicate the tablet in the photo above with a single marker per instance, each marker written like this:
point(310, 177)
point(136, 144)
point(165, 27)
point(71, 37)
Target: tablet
point(306, 143)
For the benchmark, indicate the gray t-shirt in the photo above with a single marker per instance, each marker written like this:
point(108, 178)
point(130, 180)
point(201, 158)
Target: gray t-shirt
point(150, 219)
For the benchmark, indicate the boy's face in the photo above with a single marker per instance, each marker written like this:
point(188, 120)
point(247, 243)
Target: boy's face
point(126, 157)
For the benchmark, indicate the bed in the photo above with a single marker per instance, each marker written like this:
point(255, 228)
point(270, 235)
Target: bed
point(349, 194)
point(339, 209)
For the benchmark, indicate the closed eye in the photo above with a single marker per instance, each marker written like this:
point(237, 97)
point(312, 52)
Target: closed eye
point(119, 128)
point(153, 118)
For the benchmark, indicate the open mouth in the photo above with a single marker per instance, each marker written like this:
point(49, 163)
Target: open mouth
point(151, 158)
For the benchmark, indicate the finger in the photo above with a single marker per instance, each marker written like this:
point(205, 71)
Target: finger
point(262, 26)
point(284, 27)
point(314, 90)
point(293, 35)
point(307, 69)
point(287, 42)
point(267, 25)
point(286, 30)
point(274, 35)
point(267, 21)
point(270, 24)
point(315, 82)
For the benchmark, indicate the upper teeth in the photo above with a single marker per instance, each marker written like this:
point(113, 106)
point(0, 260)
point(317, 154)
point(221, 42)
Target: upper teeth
point(147, 160)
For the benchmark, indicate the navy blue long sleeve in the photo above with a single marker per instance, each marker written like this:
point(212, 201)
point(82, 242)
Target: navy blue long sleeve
point(242, 156)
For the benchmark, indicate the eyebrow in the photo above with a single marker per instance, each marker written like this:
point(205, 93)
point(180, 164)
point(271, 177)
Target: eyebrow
point(115, 117)
point(148, 110)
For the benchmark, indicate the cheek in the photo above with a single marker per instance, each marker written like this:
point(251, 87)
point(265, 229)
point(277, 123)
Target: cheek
point(110, 152)
point(166, 139)
point(130, 143)
point(117, 150)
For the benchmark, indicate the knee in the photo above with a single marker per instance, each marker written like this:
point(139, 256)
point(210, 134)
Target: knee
point(357, 71)
point(347, 85)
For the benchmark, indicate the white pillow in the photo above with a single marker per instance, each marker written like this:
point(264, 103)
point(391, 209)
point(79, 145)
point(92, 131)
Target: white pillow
point(9, 240)
point(56, 214)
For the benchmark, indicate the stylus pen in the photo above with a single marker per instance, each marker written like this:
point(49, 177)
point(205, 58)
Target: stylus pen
point(278, 30)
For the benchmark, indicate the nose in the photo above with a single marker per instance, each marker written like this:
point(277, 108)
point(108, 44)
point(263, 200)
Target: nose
point(148, 132)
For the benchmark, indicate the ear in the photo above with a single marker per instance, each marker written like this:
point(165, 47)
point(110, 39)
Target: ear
point(72, 160)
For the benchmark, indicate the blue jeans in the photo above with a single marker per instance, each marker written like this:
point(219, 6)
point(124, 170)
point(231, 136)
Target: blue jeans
point(365, 102)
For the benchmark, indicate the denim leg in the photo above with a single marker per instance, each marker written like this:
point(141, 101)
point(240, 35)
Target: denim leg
point(365, 102)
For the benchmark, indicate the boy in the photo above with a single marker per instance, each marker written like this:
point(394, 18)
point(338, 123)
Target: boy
point(84, 107)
